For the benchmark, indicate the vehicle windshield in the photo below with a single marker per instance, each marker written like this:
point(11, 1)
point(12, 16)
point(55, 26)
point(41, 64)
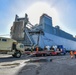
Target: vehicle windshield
point(21, 46)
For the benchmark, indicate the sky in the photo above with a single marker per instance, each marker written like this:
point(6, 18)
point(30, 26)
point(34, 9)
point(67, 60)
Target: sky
point(63, 13)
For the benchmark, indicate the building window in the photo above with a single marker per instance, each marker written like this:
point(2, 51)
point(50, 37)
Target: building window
point(4, 40)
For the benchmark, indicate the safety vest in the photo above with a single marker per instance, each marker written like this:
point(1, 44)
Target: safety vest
point(71, 53)
point(74, 52)
point(37, 49)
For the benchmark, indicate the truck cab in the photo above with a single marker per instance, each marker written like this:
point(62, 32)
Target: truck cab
point(10, 46)
point(57, 50)
point(62, 49)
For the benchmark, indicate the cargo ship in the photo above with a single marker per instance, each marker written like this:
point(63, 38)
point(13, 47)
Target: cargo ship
point(42, 34)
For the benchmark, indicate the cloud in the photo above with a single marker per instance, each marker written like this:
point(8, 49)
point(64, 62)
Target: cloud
point(7, 16)
point(54, 8)
point(21, 7)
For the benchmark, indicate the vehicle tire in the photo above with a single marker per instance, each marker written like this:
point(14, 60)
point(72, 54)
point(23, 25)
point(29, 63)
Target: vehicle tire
point(36, 55)
point(50, 54)
point(18, 54)
point(14, 55)
point(64, 53)
point(44, 55)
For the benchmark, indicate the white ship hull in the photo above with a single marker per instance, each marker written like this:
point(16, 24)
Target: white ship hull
point(50, 40)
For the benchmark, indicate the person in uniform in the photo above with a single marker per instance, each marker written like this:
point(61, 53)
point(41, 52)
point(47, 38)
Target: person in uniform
point(72, 54)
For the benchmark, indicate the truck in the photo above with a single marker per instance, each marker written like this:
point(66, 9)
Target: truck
point(62, 49)
point(11, 46)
